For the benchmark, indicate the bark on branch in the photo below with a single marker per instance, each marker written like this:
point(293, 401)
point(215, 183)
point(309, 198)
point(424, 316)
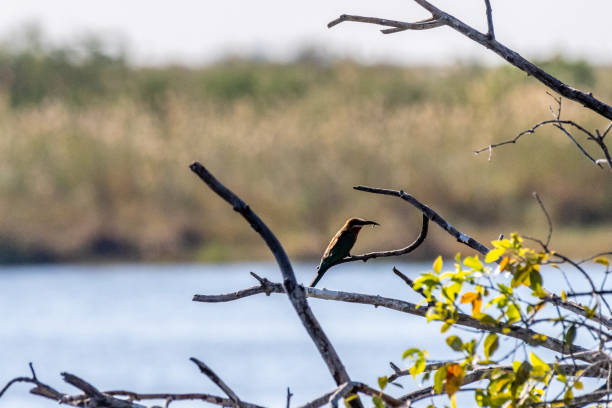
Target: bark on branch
point(294, 291)
point(488, 40)
point(521, 333)
point(474, 244)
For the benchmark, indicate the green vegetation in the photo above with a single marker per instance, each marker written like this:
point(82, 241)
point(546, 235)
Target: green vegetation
point(94, 155)
point(507, 299)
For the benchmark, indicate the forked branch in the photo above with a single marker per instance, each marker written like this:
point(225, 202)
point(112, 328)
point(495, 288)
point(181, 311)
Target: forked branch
point(294, 291)
point(521, 333)
point(439, 17)
point(474, 244)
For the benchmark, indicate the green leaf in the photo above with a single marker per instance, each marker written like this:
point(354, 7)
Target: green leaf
point(485, 318)
point(520, 277)
point(491, 344)
point(473, 262)
point(378, 402)
point(437, 265)
point(439, 378)
point(540, 368)
point(522, 374)
point(513, 313)
point(410, 352)
point(455, 343)
point(382, 382)
point(470, 346)
point(570, 335)
point(418, 367)
point(494, 254)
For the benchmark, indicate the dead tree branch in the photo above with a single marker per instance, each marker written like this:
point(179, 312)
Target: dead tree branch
point(92, 397)
point(440, 17)
point(491, 30)
point(294, 291)
point(521, 333)
point(218, 381)
point(474, 244)
point(560, 124)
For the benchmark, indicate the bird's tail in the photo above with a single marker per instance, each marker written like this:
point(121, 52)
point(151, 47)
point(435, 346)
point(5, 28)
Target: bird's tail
point(316, 280)
point(322, 269)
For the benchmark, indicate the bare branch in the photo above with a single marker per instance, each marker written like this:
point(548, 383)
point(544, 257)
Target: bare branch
point(212, 399)
point(340, 393)
point(218, 381)
point(523, 334)
point(41, 389)
point(483, 373)
point(472, 243)
point(431, 214)
point(548, 220)
point(398, 25)
point(409, 282)
point(555, 122)
point(491, 31)
point(294, 291)
point(289, 395)
point(395, 252)
point(93, 397)
point(585, 99)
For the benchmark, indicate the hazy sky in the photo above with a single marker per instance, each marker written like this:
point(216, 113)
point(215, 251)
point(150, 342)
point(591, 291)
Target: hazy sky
point(201, 31)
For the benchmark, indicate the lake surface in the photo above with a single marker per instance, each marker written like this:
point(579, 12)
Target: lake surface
point(134, 327)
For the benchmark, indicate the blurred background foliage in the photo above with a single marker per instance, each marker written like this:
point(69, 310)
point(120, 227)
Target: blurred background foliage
point(94, 154)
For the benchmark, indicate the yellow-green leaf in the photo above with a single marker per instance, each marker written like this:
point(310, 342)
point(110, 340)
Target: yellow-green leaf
point(455, 343)
point(439, 379)
point(513, 313)
point(602, 260)
point(538, 363)
point(378, 402)
point(490, 345)
point(418, 367)
point(570, 335)
point(410, 352)
point(494, 254)
point(382, 382)
point(437, 265)
point(473, 262)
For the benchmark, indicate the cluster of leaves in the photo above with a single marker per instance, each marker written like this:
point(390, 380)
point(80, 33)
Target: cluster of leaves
point(498, 306)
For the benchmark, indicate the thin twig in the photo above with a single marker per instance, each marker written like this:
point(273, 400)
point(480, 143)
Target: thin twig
point(398, 25)
point(289, 395)
point(410, 283)
point(217, 380)
point(491, 31)
point(548, 220)
point(523, 334)
point(443, 18)
point(474, 244)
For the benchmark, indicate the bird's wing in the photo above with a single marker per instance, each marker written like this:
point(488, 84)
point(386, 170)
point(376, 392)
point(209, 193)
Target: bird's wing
point(339, 247)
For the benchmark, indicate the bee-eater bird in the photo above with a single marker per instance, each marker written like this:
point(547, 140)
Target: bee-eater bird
point(340, 245)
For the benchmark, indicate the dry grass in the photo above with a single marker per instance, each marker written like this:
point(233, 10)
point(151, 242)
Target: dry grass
point(110, 178)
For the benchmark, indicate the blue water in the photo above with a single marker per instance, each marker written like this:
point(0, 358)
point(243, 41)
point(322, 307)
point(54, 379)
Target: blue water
point(134, 327)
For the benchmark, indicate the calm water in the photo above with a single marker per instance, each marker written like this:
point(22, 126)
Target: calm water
point(134, 327)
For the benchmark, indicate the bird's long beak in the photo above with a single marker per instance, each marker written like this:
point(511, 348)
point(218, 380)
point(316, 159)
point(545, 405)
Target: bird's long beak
point(370, 223)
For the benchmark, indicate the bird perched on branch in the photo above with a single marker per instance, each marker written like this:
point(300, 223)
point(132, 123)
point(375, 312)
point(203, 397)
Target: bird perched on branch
point(340, 245)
